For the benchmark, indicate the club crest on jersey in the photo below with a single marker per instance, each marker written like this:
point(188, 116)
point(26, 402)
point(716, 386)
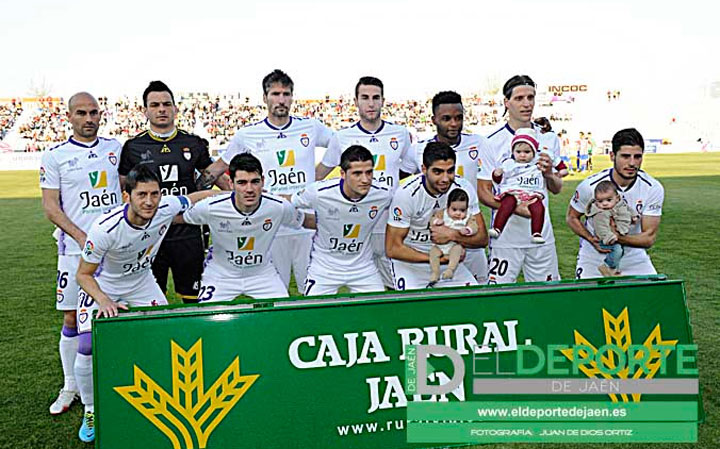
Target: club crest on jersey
point(285, 158)
point(83, 316)
point(351, 231)
point(393, 143)
point(89, 248)
point(638, 206)
point(373, 212)
point(473, 153)
point(304, 140)
point(112, 158)
point(379, 162)
point(246, 243)
point(163, 228)
point(267, 225)
point(59, 296)
point(187, 154)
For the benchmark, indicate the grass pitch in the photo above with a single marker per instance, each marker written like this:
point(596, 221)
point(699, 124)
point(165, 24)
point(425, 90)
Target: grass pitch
point(686, 248)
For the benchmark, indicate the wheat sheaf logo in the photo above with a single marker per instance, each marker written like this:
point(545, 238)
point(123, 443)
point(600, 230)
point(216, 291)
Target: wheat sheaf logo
point(190, 408)
point(617, 332)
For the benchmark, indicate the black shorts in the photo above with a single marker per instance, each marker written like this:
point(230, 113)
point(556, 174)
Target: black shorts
point(185, 259)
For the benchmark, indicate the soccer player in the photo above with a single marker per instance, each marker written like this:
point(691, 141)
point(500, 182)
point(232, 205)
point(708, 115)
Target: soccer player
point(79, 182)
point(285, 146)
point(390, 145)
point(174, 155)
point(243, 224)
point(470, 149)
point(514, 250)
point(410, 235)
point(120, 248)
point(643, 193)
point(346, 212)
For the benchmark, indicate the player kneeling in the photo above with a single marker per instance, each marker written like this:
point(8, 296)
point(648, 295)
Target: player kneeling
point(115, 270)
point(346, 212)
point(243, 224)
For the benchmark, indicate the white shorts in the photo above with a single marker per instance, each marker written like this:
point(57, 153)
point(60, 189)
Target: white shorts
point(321, 281)
point(146, 294)
point(66, 295)
point(292, 252)
point(477, 262)
point(588, 268)
point(538, 264)
point(265, 283)
point(381, 260)
point(411, 276)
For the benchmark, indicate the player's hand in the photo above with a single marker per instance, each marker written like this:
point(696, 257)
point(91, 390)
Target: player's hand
point(466, 231)
point(437, 222)
point(109, 308)
point(612, 240)
point(522, 209)
point(596, 243)
point(544, 164)
point(440, 235)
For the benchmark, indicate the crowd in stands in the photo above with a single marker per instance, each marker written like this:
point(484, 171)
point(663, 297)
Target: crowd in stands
point(8, 115)
point(217, 117)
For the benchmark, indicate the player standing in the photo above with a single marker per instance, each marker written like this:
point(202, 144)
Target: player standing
point(285, 146)
point(174, 155)
point(513, 250)
point(471, 150)
point(79, 182)
point(390, 146)
point(643, 193)
point(346, 212)
point(243, 224)
point(115, 269)
point(410, 235)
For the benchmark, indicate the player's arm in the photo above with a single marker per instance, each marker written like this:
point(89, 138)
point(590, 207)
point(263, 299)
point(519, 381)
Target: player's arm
point(646, 238)
point(86, 280)
point(54, 213)
point(443, 234)
point(395, 247)
point(572, 218)
point(330, 159)
point(213, 175)
point(553, 182)
point(321, 171)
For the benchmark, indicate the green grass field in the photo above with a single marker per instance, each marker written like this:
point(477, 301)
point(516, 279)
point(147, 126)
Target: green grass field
point(686, 248)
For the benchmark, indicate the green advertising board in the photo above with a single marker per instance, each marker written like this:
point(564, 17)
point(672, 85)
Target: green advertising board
point(332, 372)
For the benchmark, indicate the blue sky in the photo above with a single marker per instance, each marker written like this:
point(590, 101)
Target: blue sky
point(416, 47)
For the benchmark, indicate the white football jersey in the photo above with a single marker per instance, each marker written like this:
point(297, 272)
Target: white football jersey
point(344, 226)
point(87, 178)
point(390, 146)
point(645, 196)
point(125, 252)
point(517, 230)
point(470, 151)
point(241, 242)
point(413, 207)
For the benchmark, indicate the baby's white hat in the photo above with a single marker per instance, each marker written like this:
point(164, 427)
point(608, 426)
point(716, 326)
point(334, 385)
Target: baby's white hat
point(527, 135)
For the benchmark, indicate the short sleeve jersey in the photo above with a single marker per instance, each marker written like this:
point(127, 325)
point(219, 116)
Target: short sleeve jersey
point(390, 146)
point(175, 160)
point(644, 196)
point(124, 251)
point(241, 242)
point(413, 207)
point(470, 151)
point(87, 178)
point(343, 225)
point(517, 230)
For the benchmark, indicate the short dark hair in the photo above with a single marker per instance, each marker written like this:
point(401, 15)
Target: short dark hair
point(354, 153)
point(515, 81)
point(605, 186)
point(445, 97)
point(458, 195)
point(140, 173)
point(245, 162)
point(544, 124)
point(437, 151)
point(277, 76)
point(156, 86)
point(628, 136)
point(369, 81)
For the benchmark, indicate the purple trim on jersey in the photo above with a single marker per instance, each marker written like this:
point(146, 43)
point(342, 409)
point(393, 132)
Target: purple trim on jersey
point(342, 192)
point(84, 145)
point(426, 189)
point(382, 125)
point(273, 127)
point(125, 209)
point(328, 187)
point(114, 226)
point(120, 211)
point(232, 196)
point(61, 243)
point(85, 343)
point(221, 200)
point(69, 332)
point(510, 130)
point(208, 258)
point(99, 269)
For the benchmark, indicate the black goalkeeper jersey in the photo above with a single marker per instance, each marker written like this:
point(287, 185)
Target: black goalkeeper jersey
point(174, 160)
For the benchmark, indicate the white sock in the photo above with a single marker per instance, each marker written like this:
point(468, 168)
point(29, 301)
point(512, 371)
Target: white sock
point(84, 377)
point(68, 351)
